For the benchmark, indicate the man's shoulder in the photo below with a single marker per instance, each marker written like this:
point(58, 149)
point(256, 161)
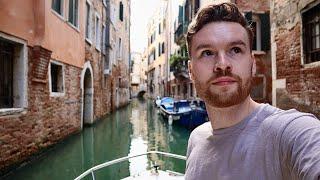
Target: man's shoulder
point(279, 119)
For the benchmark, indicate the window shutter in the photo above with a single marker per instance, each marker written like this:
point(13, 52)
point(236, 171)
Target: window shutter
point(180, 20)
point(121, 11)
point(265, 31)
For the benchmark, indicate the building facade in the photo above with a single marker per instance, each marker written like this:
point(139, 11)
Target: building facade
point(295, 42)
point(116, 65)
point(52, 76)
point(138, 76)
point(156, 53)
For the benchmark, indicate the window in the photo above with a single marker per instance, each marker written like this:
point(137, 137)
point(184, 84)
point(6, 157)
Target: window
point(13, 73)
point(121, 11)
point(260, 23)
point(311, 34)
point(88, 21)
point(6, 75)
point(196, 6)
point(57, 6)
point(191, 90)
point(98, 33)
point(159, 49)
point(119, 48)
point(56, 78)
point(162, 48)
point(104, 39)
point(160, 28)
point(73, 12)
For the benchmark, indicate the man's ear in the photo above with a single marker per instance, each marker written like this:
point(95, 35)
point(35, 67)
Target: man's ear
point(254, 66)
point(190, 70)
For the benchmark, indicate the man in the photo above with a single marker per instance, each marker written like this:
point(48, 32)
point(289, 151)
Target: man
point(244, 139)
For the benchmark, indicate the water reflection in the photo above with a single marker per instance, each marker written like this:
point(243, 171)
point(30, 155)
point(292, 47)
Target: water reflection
point(139, 140)
point(134, 129)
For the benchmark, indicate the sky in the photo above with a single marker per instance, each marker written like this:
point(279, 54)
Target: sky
point(141, 12)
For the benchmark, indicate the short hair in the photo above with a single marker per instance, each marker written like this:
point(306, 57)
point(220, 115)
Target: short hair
point(217, 13)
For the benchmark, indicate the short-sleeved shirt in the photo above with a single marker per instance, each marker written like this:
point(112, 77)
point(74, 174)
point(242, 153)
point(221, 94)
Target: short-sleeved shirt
point(269, 144)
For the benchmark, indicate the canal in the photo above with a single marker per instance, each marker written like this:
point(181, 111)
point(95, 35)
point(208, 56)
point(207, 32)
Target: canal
point(136, 128)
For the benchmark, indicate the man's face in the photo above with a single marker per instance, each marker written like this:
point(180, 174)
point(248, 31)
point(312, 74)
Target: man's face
point(221, 64)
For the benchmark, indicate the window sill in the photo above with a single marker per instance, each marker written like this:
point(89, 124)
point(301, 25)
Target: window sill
point(12, 111)
point(60, 16)
point(311, 65)
point(255, 52)
point(74, 27)
point(57, 94)
point(88, 41)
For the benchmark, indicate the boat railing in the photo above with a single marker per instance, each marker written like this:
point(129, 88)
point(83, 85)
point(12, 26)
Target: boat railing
point(109, 163)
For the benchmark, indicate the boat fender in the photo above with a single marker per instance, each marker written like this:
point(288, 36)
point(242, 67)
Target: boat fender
point(170, 120)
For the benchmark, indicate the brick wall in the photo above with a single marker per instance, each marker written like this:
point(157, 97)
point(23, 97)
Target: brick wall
point(46, 121)
point(302, 81)
point(253, 5)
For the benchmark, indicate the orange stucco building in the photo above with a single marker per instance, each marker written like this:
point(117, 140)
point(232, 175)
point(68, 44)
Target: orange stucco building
point(35, 22)
point(57, 71)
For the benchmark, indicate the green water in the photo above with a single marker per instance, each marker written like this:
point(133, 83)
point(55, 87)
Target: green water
point(136, 128)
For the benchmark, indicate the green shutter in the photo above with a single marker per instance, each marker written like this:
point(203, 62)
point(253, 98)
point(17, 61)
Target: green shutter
point(265, 31)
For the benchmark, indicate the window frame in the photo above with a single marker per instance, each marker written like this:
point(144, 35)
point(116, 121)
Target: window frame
point(103, 42)
point(20, 70)
point(121, 11)
point(97, 34)
point(76, 25)
point(257, 35)
point(88, 21)
point(62, 8)
point(57, 94)
point(304, 48)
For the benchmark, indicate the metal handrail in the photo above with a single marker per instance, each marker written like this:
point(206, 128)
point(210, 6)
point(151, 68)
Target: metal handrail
point(97, 167)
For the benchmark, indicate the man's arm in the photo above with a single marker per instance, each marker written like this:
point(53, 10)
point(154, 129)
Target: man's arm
point(300, 148)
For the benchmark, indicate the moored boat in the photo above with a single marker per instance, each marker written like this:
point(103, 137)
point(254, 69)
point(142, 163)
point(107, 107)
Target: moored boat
point(186, 113)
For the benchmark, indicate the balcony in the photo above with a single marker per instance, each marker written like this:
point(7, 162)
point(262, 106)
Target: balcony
point(179, 35)
point(179, 67)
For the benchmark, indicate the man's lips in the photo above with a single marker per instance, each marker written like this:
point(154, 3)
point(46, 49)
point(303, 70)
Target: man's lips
point(224, 81)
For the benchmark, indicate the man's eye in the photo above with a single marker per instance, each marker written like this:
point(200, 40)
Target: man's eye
point(236, 50)
point(206, 53)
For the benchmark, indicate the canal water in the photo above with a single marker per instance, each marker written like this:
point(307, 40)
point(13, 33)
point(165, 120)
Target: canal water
point(136, 128)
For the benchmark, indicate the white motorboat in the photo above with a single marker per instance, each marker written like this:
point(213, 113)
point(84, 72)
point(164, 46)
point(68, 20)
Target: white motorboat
point(154, 173)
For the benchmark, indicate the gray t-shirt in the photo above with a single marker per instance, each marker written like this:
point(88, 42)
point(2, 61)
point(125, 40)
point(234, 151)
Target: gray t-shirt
point(269, 144)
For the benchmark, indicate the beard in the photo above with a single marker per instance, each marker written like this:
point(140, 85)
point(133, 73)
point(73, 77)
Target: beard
point(224, 98)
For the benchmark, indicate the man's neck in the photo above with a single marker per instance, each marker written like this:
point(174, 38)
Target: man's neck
point(229, 116)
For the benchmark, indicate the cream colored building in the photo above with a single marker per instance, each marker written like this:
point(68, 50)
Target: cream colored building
point(156, 53)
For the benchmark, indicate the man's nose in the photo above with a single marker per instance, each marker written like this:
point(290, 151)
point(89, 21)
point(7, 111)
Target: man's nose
point(223, 63)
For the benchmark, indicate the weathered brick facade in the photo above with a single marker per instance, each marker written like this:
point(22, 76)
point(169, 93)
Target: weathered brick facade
point(43, 38)
point(47, 119)
point(296, 83)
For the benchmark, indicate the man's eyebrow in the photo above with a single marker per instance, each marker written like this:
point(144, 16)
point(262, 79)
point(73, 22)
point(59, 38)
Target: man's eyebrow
point(203, 46)
point(238, 42)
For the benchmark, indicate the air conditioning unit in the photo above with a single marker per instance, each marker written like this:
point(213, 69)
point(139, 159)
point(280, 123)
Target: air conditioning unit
point(106, 71)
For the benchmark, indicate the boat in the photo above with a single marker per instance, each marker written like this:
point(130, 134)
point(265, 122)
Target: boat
point(154, 173)
point(187, 113)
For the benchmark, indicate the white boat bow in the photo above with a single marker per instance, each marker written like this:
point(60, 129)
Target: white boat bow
point(149, 174)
